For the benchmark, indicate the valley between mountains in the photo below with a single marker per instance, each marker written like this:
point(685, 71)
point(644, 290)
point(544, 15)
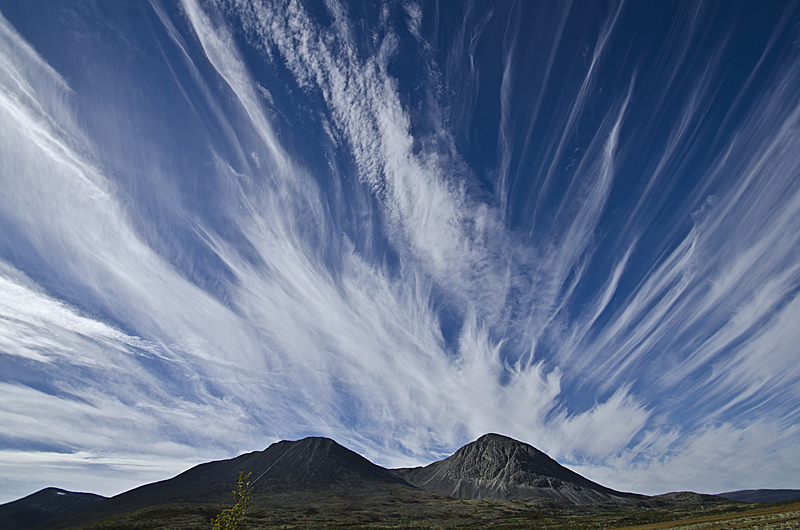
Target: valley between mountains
point(494, 482)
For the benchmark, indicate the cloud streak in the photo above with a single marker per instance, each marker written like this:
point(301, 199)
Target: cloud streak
point(316, 248)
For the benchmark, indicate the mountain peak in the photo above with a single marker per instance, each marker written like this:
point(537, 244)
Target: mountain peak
point(497, 437)
point(496, 466)
point(498, 442)
point(321, 441)
point(316, 462)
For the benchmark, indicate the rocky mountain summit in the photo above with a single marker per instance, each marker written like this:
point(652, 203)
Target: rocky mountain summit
point(498, 467)
point(315, 464)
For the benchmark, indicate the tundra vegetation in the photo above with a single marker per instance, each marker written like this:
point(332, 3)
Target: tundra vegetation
point(424, 511)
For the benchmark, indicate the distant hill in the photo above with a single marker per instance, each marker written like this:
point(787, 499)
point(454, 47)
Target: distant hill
point(762, 495)
point(41, 506)
point(684, 498)
point(498, 467)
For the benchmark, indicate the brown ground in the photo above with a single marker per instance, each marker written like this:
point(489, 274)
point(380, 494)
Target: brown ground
point(784, 516)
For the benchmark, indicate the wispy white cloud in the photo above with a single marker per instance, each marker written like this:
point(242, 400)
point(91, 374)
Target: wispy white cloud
point(711, 458)
point(447, 230)
point(103, 474)
point(450, 234)
point(735, 270)
point(314, 335)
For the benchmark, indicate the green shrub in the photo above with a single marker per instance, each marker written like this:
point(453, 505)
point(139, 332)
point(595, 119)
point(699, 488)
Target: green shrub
point(229, 519)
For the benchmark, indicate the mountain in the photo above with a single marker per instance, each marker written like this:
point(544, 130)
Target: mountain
point(41, 506)
point(317, 477)
point(762, 495)
point(498, 467)
point(317, 463)
point(310, 464)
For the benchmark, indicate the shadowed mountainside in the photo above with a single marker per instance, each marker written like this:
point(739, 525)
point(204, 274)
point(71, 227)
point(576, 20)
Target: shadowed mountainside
point(311, 464)
point(498, 467)
point(41, 506)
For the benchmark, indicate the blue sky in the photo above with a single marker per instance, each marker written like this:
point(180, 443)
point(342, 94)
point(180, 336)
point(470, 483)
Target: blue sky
point(400, 225)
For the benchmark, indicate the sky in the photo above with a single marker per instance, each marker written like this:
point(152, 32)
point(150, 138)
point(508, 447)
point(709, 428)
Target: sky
point(400, 225)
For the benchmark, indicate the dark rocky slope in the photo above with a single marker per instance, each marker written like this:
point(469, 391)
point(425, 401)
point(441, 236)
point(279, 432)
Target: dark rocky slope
point(311, 464)
point(498, 467)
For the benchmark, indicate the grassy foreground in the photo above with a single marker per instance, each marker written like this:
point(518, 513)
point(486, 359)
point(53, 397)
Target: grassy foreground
point(341, 511)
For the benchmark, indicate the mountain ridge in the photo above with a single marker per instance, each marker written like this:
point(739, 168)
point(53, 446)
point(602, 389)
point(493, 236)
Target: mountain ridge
point(492, 467)
point(762, 495)
point(310, 464)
